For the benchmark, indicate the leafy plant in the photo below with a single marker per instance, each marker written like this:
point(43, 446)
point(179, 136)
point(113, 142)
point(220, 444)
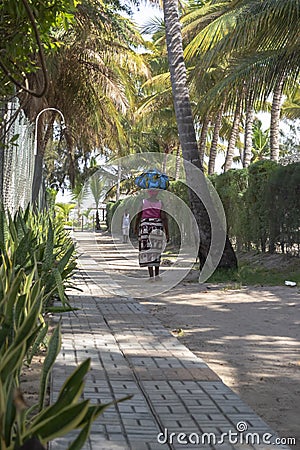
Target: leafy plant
point(35, 240)
point(22, 329)
point(261, 204)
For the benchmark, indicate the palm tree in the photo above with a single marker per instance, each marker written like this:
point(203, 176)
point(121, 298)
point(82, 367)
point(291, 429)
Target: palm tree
point(95, 69)
point(260, 142)
point(275, 118)
point(214, 142)
point(187, 135)
point(249, 118)
point(233, 135)
point(78, 194)
point(97, 189)
point(203, 137)
point(64, 209)
point(291, 105)
point(259, 42)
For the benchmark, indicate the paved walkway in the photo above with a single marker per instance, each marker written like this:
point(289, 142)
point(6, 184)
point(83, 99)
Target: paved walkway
point(132, 353)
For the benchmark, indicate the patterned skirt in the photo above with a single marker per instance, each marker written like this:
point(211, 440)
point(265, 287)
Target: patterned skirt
point(151, 240)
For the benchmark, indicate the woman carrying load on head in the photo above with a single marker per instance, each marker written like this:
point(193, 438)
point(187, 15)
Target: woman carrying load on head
point(151, 226)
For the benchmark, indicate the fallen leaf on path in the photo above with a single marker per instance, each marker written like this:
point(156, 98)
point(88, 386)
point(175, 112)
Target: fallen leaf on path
point(178, 332)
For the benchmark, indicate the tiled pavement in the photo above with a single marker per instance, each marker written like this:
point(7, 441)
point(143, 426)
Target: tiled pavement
point(132, 353)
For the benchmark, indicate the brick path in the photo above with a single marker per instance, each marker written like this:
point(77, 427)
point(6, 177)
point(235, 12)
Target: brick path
point(132, 353)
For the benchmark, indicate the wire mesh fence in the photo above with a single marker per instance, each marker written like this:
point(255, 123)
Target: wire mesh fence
point(17, 157)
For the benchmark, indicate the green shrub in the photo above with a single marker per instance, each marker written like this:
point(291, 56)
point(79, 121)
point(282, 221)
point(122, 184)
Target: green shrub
point(262, 205)
point(110, 209)
point(37, 240)
point(36, 261)
point(231, 187)
point(284, 201)
point(257, 202)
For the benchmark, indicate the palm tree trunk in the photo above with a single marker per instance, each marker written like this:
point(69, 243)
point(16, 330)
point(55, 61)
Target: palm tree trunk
point(119, 182)
point(233, 136)
point(3, 108)
point(203, 137)
point(39, 158)
point(186, 131)
point(214, 143)
point(177, 168)
point(275, 120)
point(248, 130)
point(71, 165)
point(164, 163)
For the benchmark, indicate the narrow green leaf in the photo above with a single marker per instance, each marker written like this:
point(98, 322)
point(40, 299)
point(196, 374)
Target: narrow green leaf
point(10, 415)
point(59, 285)
point(53, 350)
point(66, 258)
point(49, 255)
point(81, 438)
point(63, 422)
point(69, 393)
point(29, 323)
point(12, 361)
point(37, 342)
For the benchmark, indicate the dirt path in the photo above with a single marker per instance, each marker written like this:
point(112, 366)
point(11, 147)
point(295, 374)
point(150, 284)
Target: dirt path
point(250, 337)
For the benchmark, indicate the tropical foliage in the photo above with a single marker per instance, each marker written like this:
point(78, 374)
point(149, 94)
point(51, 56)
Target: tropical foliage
point(261, 205)
point(35, 241)
point(36, 261)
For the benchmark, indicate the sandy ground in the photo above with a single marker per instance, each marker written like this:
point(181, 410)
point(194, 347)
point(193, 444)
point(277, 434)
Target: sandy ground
point(250, 337)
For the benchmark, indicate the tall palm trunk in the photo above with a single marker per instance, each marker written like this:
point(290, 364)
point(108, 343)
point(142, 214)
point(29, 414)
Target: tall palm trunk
point(177, 168)
point(71, 165)
point(233, 136)
point(248, 130)
point(39, 158)
point(275, 120)
point(3, 108)
point(164, 163)
point(119, 179)
point(203, 137)
point(186, 130)
point(214, 143)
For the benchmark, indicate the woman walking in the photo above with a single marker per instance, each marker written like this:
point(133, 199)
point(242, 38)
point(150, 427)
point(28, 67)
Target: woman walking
point(151, 224)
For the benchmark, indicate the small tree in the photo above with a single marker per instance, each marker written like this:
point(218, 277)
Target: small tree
point(96, 187)
point(63, 210)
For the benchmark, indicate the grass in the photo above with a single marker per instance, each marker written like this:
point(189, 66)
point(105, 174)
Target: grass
point(248, 274)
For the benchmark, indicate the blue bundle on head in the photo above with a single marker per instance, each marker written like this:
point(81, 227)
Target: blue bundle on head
point(153, 179)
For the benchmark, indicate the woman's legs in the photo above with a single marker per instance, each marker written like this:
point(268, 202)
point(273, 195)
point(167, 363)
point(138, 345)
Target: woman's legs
point(150, 270)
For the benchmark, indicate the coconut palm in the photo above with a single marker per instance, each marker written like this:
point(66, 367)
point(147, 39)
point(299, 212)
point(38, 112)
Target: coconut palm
point(259, 41)
point(275, 118)
point(203, 137)
point(64, 210)
point(214, 142)
point(186, 130)
point(233, 135)
point(95, 70)
point(260, 142)
point(96, 186)
point(291, 105)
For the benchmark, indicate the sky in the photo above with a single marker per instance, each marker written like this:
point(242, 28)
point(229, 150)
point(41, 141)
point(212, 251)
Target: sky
point(142, 14)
